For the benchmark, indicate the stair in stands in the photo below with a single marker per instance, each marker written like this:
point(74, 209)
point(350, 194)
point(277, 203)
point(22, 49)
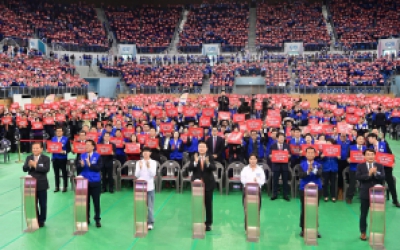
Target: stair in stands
point(206, 86)
point(173, 47)
point(252, 30)
point(101, 15)
point(329, 27)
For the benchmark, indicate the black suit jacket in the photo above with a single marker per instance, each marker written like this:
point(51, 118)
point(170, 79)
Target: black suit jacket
point(366, 181)
point(219, 147)
point(107, 160)
point(223, 103)
point(40, 172)
point(278, 166)
point(206, 175)
point(380, 119)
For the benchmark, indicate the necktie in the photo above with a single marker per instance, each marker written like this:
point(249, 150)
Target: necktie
point(359, 148)
point(215, 142)
point(201, 163)
point(36, 158)
point(279, 147)
point(368, 166)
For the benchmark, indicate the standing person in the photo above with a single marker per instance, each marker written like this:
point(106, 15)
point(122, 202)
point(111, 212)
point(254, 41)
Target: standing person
point(60, 160)
point(380, 121)
point(91, 162)
point(329, 172)
point(81, 139)
point(309, 171)
point(202, 165)
point(107, 166)
point(252, 173)
point(353, 168)
point(38, 165)
point(368, 174)
point(279, 169)
point(216, 145)
point(223, 102)
point(146, 169)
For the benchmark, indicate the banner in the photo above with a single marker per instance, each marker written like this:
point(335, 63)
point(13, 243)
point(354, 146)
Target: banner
point(6, 120)
point(128, 132)
point(254, 125)
point(280, 156)
point(224, 115)
point(36, 125)
point(274, 121)
point(166, 127)
point(208, 112)
point(142, 138)
point(352, 119)
point(48, 121)
point(92, 136)
point(118, 141)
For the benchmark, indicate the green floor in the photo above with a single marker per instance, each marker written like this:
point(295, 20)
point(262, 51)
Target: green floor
point(279, 222)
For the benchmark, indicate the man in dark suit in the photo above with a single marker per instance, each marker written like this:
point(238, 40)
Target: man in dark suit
point(81, 139)
point(223, 102)
point(38, 165)
point(380, 121)
point(155, 152)
point(216, 144)
point(368, 174)
point(279, 169)
point(202, 165)
point(107, 166)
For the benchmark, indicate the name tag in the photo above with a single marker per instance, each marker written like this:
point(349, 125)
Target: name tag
point(40, 165)
point(258, 175)
point(94, 161)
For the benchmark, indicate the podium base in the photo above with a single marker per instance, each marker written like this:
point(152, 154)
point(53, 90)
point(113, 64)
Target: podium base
point(141, 230)
point(199, 231)
point(310, 237)
point(34, 225)
point(83, 228)
point(376, 241)
point(253, 234)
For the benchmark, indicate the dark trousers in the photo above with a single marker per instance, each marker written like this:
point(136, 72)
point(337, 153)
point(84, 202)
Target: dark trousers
point(382, 128)
point(208, 199)
point(390, 183)
point(352, 185)
point(41, 206)
point(302, 207)
point(329, 184)
point(342, 165)
point(94, 192)
point(275, 180)
point(244, 197)
point(57, 165)
point(107, 177)
point(294, 161)
point(364, 213)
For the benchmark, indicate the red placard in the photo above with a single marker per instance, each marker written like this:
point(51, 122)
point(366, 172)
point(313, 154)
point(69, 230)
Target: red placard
point(208, 112)
point(356, 156)
point(172, 112)
point(14, 105)
point(312, 121)
point(142, 138)
point(132, 148)
point(224, 115)
point(104, 149)
point(305, 146)
point(238, 118)
point(338, 112)
point(127, 133)
point(274, 112)
point(258, 106)
point(54, 147)
point(235, 138)
point(92, 136)
point(151, 143)
point(280, 156)
point(92, 115)
point(273, 121)
point(6, 120)
point(118, 141)
point(79, 147)
point(60, 118)
point(352, 119)
point(166, 127)
point(37, 125)
point(189, 112)
point(386, 160)
point(184, 137)
point(343, 128)
point(205, 121)
point(330, 150)
point(156, 112)
point(48, 121)
point(316, 129)
point(253, 125)
point(295, 149)
point(196, 132)
point(395, 113)
point(22, 123)
point(137, 114)
point(327, 129)
point(305, 105)
point(359, 112)
point(350, 109)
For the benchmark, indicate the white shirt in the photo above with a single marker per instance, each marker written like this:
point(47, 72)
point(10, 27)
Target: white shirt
point(248, 174)
point(147, 174)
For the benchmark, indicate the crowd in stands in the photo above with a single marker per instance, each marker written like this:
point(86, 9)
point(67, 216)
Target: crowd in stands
point(223, 22)
point(14, 26)
point(73, 26)
point(291, 22)
point(37, 72)
point(151, 28)
point(359, 24)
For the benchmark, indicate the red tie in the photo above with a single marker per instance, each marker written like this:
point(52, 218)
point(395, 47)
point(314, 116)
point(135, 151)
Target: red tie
point(201, 163)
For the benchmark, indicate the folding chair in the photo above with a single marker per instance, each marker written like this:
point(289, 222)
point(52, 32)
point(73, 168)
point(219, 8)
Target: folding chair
point(237, 168)
point(131, 165)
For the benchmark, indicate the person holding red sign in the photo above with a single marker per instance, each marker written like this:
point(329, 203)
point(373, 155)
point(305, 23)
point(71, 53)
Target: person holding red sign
point(368, 174)
point(107, 165)
point(60, 160)
point(155, 152)
point(9, 130)
point(255, 144)
point(353, 167)
point(329, 173)
point(24, 132)
point(223, 102)
point(133, 157)
point(164, 145)
point(216, 145)
point(295, 144)
point(383, 147)
point(380, 121)
point(279, 169)
point(176, 148)
point(91, 162)
point(81, 139)
point(309, 171)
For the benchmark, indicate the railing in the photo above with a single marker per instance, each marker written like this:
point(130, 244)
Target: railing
point(163, 90)
point(8, 92)
point(79, 47)
point(342, 90)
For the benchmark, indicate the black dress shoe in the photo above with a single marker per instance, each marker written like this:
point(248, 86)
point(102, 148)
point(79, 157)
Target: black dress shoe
point(396, 204)
point(64, 190)
point(319, 235)
point(208, 228)
point(41, 224)
point(56, 190)
point(104, 190)
point(274, 197)
point(111, 191)
point(98, 224)
point(286, 198)
point(88, 222)
point(301, 234)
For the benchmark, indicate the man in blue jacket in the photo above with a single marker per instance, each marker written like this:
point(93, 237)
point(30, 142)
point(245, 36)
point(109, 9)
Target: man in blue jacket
point(353, 168)
point(91, 162)
point(60, 160)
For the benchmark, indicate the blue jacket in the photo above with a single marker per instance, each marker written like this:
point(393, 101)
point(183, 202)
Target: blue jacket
point(293, 142)
point(194, 144)
point(177, 153)
point(260, 147)
point(311, 177)
point(353, 166)
point(91, 173)
point(330, 164)
point(344, 147)
point(381, 147)
point(65, 147)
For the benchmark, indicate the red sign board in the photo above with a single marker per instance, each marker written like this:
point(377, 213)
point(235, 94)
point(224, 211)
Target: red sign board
point(79, 147)
point(224, 115)
point(127, 133)
point(37, 125)
point(253, 125)
point(238, 118)
point(235, 138)
point(205, 121)
point(54, 147)
point(386, 160)
point(142, 138)
point(166, 128)
point(6, 120)
point(151, 143)
point(330, 150)
point(118, 141)
point(352, 119)
point(280, 156)
point(295, 149)
point(48, 121)
point(132, 148)
point(196, 132)
point(356, 156)
point(104, 149)
point(273, 121)
point(92, 136)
